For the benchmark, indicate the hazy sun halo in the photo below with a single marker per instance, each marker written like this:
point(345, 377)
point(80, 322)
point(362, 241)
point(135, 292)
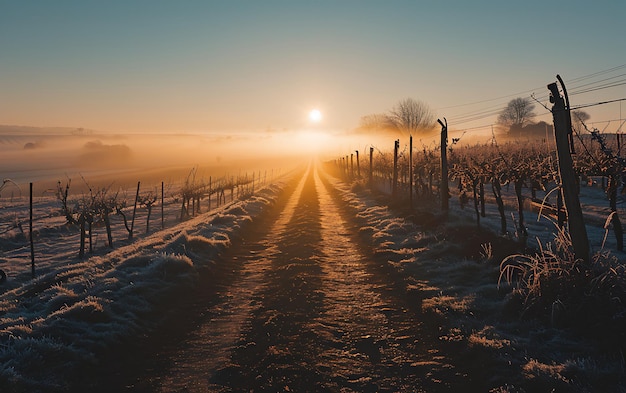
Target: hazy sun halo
point(315, 116)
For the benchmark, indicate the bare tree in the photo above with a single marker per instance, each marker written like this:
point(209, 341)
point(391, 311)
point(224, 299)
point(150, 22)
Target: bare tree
point(87, 210)
point(106, 204)
point(6, 182)
point(408, 116)
point(579, 117)
point(517, 113)
point(148, 200)
point(412, 116)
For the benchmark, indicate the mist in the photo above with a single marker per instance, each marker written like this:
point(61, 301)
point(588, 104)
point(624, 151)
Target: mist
point(104, 159)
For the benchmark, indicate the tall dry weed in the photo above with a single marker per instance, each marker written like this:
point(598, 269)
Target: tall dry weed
point(555, 286)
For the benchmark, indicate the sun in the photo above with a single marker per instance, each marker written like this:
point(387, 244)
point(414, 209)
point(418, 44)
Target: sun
point(315, 116)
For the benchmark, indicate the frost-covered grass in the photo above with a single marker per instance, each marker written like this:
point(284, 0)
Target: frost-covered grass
point(69, 314)
point(553, 285)
point(58, 323)
point(450, 268)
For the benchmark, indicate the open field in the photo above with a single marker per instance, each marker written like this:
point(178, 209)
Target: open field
point(431, 302)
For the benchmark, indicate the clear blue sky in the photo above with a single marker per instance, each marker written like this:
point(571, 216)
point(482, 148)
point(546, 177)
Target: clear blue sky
point(170, 66)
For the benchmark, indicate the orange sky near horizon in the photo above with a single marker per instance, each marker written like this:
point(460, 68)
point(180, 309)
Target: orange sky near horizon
point(163, 67)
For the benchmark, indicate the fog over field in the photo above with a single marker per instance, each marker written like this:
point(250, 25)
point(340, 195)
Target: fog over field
point(47, 157)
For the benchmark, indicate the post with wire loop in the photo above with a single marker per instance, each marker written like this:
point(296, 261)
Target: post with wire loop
point(562, 135)
point(445, 193)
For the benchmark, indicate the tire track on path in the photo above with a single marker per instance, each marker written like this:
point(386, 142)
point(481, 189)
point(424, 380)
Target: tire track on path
point(328, 322)
point(375, 342)
point(210, 345)
point(279, 349)
point(222, 308)
point(310, 310)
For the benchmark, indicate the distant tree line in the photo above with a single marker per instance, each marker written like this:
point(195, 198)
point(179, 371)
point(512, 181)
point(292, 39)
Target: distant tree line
point(516, 120)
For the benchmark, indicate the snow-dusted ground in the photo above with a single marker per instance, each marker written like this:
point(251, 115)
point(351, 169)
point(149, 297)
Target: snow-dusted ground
point(56, 243)
point(310, 310)
point(62, 319)
point(541, 226)
point(509, 353)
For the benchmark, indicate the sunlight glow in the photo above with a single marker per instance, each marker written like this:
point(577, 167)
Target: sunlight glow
point(315, 116)
point(312, 141)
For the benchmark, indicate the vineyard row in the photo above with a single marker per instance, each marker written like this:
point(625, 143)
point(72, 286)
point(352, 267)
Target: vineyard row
point(79, 221)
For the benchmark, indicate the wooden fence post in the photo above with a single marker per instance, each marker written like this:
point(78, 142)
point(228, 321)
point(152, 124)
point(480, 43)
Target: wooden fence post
point(351, 165)
point(358, 165)
point(371, 166)
point(560, 210)
point(394, 184)
point(444, 165)
point(32, 244)
point(562, 130)
point(211, 191)
point(411, 171)
point(132, 222)
point(81, 221)
point(162, 205)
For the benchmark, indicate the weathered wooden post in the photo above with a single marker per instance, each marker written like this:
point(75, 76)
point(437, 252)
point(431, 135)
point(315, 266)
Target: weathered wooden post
point(358, 165)
point(394, 184)
point(444, 164)
point(81, 221)
point(562, 130)
point(351, 165)
point(371, 166)
point(132, 222)
point(411, 171)
point(30, 233)
point(211, 190)
point(560, 210)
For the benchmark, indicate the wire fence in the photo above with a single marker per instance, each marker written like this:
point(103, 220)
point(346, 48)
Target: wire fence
point(43, 228)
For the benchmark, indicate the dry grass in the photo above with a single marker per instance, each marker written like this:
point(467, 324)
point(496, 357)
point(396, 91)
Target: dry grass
point(488, 338)
point(443, 304)
point(555, 286)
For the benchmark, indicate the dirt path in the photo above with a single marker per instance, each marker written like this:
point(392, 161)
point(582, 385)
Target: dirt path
point(308, 310)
